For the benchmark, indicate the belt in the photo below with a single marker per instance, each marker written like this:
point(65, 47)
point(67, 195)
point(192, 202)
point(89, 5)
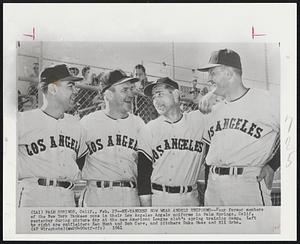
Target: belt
point(226, 170)
point(172, 189)
point(59, 183)
point(105, 184)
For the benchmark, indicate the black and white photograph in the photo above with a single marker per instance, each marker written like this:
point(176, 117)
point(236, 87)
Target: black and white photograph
point(157, 137)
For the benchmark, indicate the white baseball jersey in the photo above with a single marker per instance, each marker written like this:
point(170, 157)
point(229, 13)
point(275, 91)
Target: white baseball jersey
point(243, 132)
point(174, 148)
point(112, 147)
point(49, 147)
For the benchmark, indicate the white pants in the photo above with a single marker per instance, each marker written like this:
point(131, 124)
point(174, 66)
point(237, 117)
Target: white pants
point(30, 194)
point(93, 196)
point(162, 198)
point(237, 190)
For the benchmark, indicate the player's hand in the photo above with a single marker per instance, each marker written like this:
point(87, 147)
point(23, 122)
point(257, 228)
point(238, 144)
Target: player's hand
point(206, 102)
point(266, 173)
point(146, 200)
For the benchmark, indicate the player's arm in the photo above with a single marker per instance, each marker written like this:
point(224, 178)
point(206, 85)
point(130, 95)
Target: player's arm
point(144, 178)
point(268, 170)
point(83, 148)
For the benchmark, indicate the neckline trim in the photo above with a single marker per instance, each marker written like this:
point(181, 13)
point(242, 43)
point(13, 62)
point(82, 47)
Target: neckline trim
point(248, 89)
point(174, 121)
point(51, 115)
point(114, 118)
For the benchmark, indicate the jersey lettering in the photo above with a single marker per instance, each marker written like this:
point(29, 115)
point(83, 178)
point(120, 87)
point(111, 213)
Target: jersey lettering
point(39, 146)
point(120, 140)
point(177, 144)
point(53, 144)
point(236, 124)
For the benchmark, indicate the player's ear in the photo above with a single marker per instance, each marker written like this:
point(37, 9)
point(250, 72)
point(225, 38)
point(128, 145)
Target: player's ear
point(52, 89)
point(229, 73)
point(108, 94)
point(176, 94)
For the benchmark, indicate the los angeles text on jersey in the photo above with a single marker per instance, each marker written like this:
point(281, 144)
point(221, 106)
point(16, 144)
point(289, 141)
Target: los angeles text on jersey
point(177, 144)
point(117, 140)
point(243, 125)
point(41, 145)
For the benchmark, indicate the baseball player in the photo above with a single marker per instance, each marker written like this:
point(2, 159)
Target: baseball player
point(111, 165)
point(49, 143)
point(242, 134)
point(141, 101)
point(170, 150)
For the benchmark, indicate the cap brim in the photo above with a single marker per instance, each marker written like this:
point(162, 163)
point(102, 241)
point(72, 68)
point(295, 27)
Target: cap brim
point(72, 78)
point(148, 89)
point(207, 67)
point(128, 79)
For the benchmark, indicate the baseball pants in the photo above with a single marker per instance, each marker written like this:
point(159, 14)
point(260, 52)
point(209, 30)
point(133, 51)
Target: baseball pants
point(161, 199)
point(93, 196)
point(30, 194)
point(237, 190)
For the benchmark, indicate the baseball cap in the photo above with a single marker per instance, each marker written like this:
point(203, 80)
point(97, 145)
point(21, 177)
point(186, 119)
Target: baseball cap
point(115, 77)
point(58, 72)
point(166, 80)
point(223, 57)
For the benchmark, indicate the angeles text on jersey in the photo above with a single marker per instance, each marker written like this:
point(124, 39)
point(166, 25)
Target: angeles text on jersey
point(118, 140)
point(177, 144)
point(243, 125)
point(62, 141)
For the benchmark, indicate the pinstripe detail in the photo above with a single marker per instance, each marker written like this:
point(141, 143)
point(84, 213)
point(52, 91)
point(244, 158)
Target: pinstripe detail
point(146, 154)
point(206, 141)
point(20, 197)
point(261, 194)
point(84, 153)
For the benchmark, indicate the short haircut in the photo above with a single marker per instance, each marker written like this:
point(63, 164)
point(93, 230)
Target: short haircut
point(85, 69)
point(140, 66)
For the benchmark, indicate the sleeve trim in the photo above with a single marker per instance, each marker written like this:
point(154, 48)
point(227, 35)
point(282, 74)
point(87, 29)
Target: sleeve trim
point(146, 154)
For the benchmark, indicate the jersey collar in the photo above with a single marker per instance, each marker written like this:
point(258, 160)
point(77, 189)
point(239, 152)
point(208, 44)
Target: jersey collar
point(114, 118)
point(174, 121)
point(231, 101)
point(63, 115)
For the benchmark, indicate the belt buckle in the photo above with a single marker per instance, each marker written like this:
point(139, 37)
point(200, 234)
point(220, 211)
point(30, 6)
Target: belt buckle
point(212, 168)
point(163, 188)
point(131, 184)
point(111, 185)
point(71, 184)
point(55, 182)
point(182, 189)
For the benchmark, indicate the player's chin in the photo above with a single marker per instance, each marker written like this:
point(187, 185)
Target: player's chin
point(127, 106)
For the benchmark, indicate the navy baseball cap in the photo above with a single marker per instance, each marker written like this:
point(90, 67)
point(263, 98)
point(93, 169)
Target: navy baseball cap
point(166, 80)
point(223, 57)
point(58, 72)
point(115, 77)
